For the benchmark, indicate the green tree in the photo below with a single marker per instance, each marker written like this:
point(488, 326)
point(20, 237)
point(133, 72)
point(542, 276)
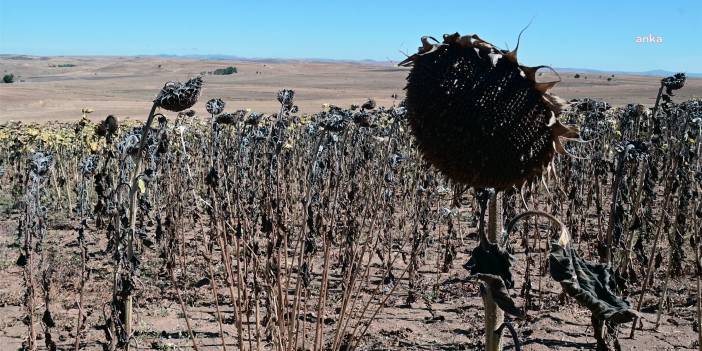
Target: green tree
point(225, 71)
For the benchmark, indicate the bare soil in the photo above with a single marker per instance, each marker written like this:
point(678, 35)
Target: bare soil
point(452, 321)
point(124, 86)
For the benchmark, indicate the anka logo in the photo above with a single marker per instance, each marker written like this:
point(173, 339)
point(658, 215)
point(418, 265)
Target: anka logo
point(649, 39)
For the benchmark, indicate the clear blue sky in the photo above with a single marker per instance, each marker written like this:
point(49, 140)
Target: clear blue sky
point(584, 34)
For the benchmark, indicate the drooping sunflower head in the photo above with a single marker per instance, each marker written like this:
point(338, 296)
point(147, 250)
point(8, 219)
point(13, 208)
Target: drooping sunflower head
point(479, 116)
point(215, 106)
point(178, 96)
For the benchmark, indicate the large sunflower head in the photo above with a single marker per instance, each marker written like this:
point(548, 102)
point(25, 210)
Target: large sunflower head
point(479, 116)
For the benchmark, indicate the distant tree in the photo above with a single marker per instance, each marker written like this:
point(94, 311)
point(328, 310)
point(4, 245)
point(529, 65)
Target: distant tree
point(8, 78)
point(577, 75)
point(225, 71)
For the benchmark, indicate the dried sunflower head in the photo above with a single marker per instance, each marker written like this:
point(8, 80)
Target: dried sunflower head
point(215, 106)
point(107, 128)
point(40, 163)
point(674, 82)
point(231, 117)
point(226, 118)
point(285, 97)
point(177, 96)
point(254, 118)
point(363, 119)
point(479, 116)
point(186, 113)
point(369, 104)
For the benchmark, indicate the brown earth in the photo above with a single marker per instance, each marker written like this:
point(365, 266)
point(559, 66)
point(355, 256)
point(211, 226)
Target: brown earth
point(124, 86)
point(453, 321)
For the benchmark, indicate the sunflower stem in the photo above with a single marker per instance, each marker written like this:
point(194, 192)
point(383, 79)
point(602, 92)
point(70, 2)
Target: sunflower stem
point(127, 315)
point(494, 316)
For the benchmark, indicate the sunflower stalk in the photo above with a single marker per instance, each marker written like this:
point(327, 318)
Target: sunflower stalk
point(650, 269)
point(494, 316)
point(128, 308)
point(83, 256)
point(623, 266)
point(174, 96)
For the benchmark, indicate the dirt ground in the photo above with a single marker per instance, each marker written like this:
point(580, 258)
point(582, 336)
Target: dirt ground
point(124, 86)
point(454, 321)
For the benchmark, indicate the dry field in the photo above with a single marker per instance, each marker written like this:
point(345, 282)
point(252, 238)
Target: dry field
point(119, 85)
point(336, 211)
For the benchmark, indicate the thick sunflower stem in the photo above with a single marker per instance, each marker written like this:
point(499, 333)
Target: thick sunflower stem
point(127, 315)
point(494, 317)
point(655, 106)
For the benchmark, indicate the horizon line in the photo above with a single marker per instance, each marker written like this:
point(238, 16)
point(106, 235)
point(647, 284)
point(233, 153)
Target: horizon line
point(214, 57)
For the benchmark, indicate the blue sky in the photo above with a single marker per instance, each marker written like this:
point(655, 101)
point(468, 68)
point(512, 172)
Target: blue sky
point(583, 34)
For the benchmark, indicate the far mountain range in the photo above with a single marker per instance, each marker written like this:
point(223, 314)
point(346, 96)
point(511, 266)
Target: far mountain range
point(222, 57)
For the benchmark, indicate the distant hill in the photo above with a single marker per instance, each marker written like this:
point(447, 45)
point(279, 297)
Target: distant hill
point(225, 57)
point(651, 73)
point(222, 57)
